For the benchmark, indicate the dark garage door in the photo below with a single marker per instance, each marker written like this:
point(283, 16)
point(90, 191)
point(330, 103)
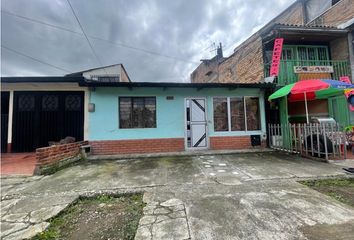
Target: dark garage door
point(4, 119)
point(40, 117)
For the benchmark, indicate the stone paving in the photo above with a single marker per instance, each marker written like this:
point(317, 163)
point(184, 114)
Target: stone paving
point(163, 220)
point(237, 196)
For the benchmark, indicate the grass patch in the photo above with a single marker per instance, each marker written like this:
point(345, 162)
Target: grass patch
point(341, 189)
point(100, 217)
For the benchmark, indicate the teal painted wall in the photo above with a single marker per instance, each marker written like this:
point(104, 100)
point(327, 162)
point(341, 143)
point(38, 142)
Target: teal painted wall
point(170, 114)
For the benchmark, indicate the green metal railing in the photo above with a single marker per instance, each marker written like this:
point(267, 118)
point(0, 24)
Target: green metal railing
point(287, 75)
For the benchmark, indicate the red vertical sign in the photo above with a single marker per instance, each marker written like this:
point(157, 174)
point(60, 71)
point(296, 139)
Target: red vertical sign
point(278, 46)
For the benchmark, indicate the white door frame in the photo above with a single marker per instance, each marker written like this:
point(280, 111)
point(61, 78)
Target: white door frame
point(185, 125)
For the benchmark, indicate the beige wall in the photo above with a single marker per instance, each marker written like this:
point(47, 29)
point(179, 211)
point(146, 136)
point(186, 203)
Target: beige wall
point(124, 76)
point(115, 70)
point(111, 70)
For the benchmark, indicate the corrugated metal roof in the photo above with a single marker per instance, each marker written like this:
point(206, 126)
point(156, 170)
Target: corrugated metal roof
point(42, 79)
point(306, 26)
point(89, 83)
point(176, 85)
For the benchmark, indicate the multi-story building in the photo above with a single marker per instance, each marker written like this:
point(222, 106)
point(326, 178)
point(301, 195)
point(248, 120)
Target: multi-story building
point(315, 33)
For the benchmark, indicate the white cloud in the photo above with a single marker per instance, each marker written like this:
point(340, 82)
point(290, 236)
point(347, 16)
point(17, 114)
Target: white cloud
point(182, 29)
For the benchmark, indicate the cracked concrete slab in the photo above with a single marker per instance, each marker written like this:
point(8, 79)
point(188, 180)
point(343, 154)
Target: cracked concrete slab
point(37, 204)
point(27, 232)
point(249, 195)
point(9, 228)
point(15, 217)
point(44, 214)
point(174, 229)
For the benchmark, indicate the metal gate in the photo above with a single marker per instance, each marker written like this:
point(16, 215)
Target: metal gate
point(40, 117)
point(196, 123)
point(327, 141)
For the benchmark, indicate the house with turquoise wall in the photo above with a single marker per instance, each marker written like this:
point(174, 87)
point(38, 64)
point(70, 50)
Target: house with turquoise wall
point(117, 116)
point(145, 117)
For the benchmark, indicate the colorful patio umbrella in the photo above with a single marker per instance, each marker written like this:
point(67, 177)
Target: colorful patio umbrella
point(312, 89)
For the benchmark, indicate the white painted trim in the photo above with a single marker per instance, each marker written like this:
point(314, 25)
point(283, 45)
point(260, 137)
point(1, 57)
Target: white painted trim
point(237, 133)
point(228, 103)
point(260, 97)
point(245, 112)
point(262, 112)
point(11, 113)
point(185, 124)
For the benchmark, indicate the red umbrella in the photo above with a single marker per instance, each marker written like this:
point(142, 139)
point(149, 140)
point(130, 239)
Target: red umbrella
point(311, 89)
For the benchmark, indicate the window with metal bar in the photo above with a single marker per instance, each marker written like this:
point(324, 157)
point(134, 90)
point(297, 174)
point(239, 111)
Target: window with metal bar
point(237, 111)
point(137, 112)
point(236, 114)
point(220, 114)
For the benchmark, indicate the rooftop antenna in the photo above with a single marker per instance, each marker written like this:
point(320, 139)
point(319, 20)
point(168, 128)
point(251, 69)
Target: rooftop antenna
point(213, 48)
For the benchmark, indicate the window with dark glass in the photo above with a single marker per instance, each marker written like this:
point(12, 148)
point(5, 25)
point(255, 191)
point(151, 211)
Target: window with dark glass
point(237, 110)
point(252, 113)
point(220, 114)
point(110, 78)
point(241, 113)
point(137, 112)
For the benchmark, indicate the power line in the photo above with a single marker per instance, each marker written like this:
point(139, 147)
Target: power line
point(41, 22)
point(83, 31)
point(141, 49)
point(35, 59)
point(119, 44)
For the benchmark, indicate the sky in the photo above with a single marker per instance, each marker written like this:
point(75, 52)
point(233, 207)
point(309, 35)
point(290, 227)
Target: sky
point(155, 40)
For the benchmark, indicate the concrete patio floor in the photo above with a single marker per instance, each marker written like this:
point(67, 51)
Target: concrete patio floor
point(236, 196)
point(22, 164)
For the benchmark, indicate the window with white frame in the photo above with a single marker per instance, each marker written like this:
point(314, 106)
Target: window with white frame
point(236, 114)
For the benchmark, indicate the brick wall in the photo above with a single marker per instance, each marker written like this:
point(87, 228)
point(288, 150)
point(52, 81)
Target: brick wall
point(111, 147)
point(292, 15)
point(206, 72)
point(240, 142)
point(53, 155)
point(336, 15)
point(339, 49)
point(137, 146)
point(245, 65)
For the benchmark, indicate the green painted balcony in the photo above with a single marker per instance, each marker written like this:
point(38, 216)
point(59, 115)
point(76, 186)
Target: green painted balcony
point(287, 74)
